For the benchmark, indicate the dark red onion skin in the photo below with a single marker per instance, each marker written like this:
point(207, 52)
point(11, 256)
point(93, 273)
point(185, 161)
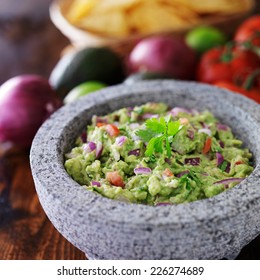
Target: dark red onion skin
point(163, 54)
point(26, 101)
point(192, 161)
point(135, 152)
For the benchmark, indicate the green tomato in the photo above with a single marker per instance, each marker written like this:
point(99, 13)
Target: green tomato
point(83, 89)
point(203, 38)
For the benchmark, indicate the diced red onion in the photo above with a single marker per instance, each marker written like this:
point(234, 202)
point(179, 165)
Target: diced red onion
point(221, 144)
point(204, 125)
point(101, 120)
point(95, 183)
point(176, 110)
point(220, 158)
point(99, 149)
point(221, 126)
point(190, 134)
point(134, 125)
point(168, 160)
point(182, 173)
point(147, 116)
point(227, 170)
point(83, 137)
point(229, 180)
point(135, 152)
point(192, 161)
point(142, 170)
point(206, 131)
point(120, 140)
point(89, 147)
point(204, 174)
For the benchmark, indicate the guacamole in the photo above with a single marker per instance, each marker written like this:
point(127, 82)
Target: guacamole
point(156, 155)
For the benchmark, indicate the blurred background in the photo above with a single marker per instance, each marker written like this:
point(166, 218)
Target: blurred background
point(29, 41)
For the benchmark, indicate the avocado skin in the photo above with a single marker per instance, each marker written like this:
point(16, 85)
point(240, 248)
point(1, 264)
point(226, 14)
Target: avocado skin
point(142, 76)
point(92, 63)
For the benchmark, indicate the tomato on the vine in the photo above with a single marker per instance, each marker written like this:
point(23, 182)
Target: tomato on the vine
point(249, 31)
point(229, 63)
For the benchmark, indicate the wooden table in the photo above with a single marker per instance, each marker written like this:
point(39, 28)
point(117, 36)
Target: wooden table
point(25, 231)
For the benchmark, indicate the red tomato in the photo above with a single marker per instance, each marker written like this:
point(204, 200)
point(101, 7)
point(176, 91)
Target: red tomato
point(112, 130)
point(99, 124)
point(115, 179)
point(253, 93)
point(207, 145)
point(233, 65)
point(249, 30)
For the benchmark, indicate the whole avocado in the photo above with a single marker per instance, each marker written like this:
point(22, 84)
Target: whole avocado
point(92, 63)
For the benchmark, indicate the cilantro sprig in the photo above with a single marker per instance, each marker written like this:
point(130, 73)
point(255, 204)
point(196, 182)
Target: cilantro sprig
point(159, 134)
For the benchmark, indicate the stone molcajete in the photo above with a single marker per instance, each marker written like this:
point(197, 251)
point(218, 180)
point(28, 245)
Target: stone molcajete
point(103, 228)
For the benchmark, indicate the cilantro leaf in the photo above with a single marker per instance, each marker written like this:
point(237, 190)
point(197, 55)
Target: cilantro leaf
point(158, 146)
point(155, 125)
point(146, 135)
point(159, 135)
point(151, 146)
point(173, 127)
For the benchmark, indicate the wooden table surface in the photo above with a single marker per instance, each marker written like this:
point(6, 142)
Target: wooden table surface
point(25, 231)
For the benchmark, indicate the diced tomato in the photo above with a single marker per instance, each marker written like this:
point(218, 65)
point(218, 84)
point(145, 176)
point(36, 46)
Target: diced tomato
point(207, 145)
point(99, 124)
point(239, 162)
point(112, 130)
point(115, 179)
point(167, 172)
point(184, 121)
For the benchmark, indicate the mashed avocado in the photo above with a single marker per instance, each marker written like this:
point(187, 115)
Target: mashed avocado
point(154, 155)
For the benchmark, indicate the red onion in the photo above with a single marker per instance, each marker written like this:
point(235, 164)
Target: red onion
point(163, 54)
point(220, 158)
point(182, 173)
point(206, 131)
point(168, 160)
point(89, 147)
point(227, 170)
point(135, 152)
point(99, 149)
point(147, 116)
point(142, 170)
point(83, 137)
point(229, 180)
point(221, 144)
point(25, 103)
point(120, 140)
point(176, 110)
point(204, 125)
point(221, 126)
point(95, 183)
point(190, 134)
point(192, 161)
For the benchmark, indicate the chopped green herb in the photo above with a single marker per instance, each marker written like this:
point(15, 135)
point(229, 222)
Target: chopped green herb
point(223, 165)
point(159, 135)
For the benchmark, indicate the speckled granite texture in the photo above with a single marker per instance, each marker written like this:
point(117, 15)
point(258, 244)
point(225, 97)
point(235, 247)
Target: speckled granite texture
point(214, 228)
